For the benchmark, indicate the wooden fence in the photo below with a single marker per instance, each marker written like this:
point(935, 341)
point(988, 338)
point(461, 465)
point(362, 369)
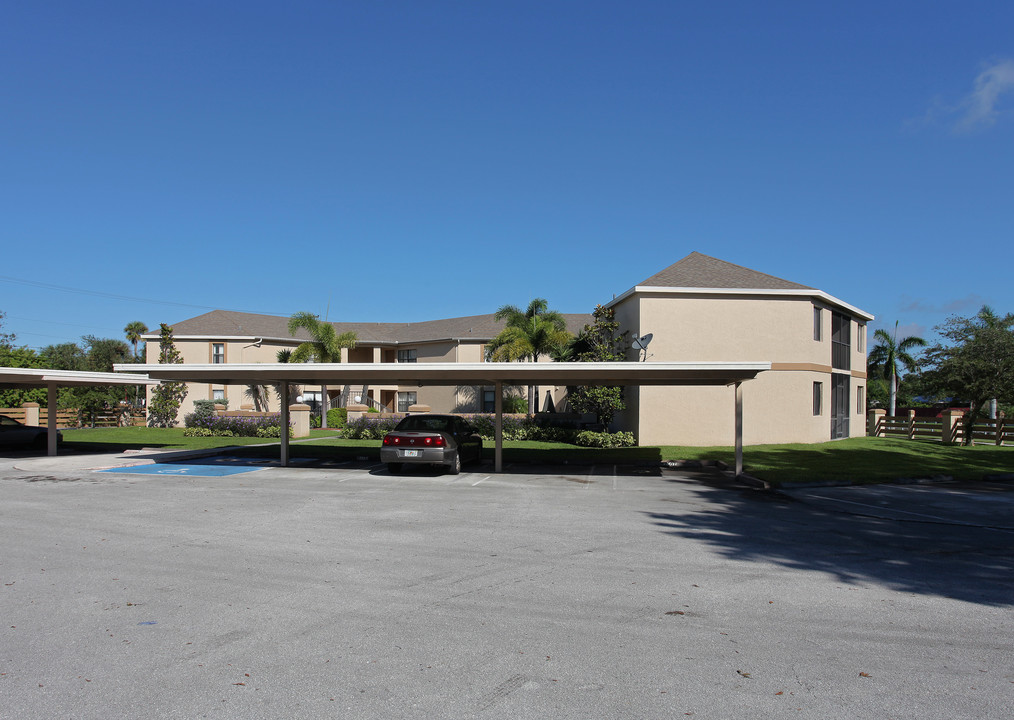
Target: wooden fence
point(70, 418)
point(950, 428)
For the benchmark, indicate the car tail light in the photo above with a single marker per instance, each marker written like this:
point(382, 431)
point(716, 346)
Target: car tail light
point(437, 441)
point(388, 440)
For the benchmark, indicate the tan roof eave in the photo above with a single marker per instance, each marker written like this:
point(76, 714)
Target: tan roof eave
point(788, 292)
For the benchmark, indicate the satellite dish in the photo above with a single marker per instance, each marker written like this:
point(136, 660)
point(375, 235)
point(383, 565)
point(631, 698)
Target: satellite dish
point(642, 342)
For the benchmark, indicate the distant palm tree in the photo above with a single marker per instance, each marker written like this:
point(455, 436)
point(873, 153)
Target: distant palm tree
point(259, 395)
point(283, 356)
point(888, 353)
point(134, 331)
point(324, 346)
point(528, 335)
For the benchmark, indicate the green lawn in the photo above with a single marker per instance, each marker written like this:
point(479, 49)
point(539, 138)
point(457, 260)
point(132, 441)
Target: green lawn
point(861, 460)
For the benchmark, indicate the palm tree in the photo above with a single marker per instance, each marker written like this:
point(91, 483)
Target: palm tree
point(888, 353)
point(324, 346)
point(528, 335)
point(134, 331)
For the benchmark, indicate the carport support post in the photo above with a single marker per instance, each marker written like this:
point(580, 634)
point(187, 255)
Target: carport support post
point(739, 429)
point(498, 428)
point(53, 393)
point(284, 423)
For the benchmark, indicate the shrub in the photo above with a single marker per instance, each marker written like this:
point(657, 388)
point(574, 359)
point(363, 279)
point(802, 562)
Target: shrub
point(242, 426)
point(523, 427)
point(588, 438)
point(337, 417)
point(369, 428)
point(515, 404)
point(272, 431)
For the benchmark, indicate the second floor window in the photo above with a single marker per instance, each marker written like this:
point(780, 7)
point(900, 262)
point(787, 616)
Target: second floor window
point(406, 356)
point(218, 353)
point(841, 342)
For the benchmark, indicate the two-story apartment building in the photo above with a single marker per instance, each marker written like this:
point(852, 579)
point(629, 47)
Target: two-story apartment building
point(222, 336)
point(704, 309)
point(698, 310)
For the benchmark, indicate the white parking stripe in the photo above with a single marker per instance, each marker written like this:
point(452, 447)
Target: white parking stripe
point(480, 480)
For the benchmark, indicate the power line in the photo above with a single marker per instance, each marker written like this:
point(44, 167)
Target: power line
point(114, 296)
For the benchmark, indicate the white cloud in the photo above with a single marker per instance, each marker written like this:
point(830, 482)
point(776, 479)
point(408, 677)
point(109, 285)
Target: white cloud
point(983, 106)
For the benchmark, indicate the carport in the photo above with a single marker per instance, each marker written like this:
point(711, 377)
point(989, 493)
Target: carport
point(489, 374)
point(53, 380)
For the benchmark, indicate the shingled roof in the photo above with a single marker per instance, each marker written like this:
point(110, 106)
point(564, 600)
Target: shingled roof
point(702, 271)
point(228, 323)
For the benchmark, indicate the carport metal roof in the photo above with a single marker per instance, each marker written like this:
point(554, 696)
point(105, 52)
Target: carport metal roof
point(440, 373)
point(484, 373)
point(53, 380)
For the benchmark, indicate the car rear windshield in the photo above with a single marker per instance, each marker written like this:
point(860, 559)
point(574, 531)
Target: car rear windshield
point(421, 423)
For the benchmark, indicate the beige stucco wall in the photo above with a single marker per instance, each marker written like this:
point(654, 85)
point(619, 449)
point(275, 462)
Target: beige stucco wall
point(777, 405)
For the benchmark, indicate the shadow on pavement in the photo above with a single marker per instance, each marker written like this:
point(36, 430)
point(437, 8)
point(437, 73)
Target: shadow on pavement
point(973, 564)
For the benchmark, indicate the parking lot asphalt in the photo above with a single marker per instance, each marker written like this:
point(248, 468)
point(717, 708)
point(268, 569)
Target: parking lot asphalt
point(342, 591)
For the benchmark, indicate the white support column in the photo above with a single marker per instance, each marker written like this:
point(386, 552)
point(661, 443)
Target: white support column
point(498, 427)
point(285, 423)
point(53, 393)
point(739, 429)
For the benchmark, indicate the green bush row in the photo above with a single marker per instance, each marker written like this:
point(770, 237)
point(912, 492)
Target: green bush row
point(589, 438)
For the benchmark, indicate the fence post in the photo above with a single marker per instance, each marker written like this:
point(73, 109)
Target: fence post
point(950, 420)
point(31, 414)
point(911, 424)
point(1000, 427)
point(875, 422)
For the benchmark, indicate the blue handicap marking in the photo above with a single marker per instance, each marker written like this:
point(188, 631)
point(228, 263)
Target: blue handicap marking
point(180, 469)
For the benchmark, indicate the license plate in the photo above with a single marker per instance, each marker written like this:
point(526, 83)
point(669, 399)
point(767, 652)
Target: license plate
point(410, 453)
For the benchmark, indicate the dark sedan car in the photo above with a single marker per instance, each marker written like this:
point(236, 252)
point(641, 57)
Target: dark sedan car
point(16, 434)
point(431, 439)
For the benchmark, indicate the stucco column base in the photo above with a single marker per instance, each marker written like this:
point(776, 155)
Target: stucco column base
point(31, 414)
point(299, 417)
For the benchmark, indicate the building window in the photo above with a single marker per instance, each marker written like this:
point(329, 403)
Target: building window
point(841, 342)
point(217, 395)
point(405, 401)
point(861, 337)
point(488, 401)
point(407, 356)
point(816, 324)
point(818, 394)
point(860, 400)
point(217, 353)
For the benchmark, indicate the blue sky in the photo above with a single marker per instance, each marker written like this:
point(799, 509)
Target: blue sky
point(402, 161)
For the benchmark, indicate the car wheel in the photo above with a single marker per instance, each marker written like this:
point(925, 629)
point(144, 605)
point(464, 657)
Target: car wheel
point(394, 468)
point(455, 467)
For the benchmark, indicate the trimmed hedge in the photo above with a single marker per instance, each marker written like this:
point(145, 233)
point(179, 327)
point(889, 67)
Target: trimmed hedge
point(588, 438)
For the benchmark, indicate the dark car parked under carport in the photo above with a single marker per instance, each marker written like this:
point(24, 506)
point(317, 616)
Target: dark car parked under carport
point(16, 434)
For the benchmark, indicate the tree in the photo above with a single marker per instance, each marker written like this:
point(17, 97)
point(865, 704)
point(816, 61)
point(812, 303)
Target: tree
point(134, 331)
point(599, 342)
point(6, 339)
point(978, 363)
point(166, 397)
point(324, 346)
point(887, 355)
point(21, 357)
point(528, 335)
